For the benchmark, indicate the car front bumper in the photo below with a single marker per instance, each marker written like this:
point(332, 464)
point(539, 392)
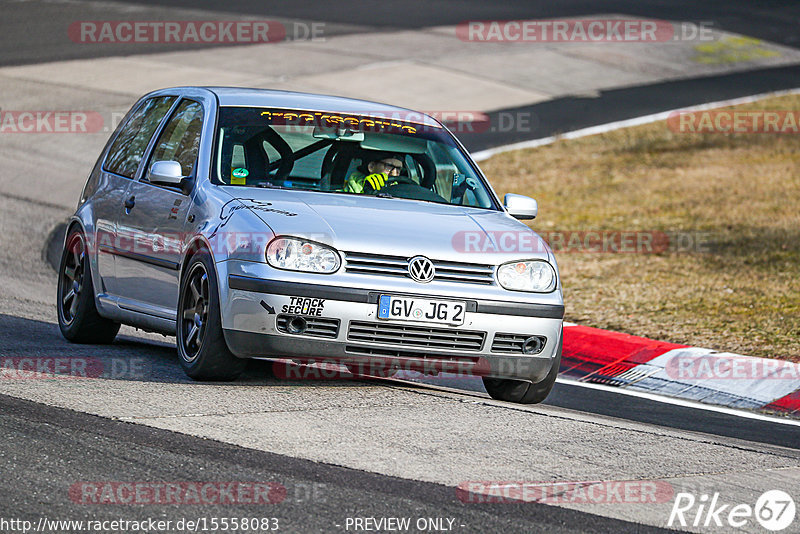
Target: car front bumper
point(255, 310)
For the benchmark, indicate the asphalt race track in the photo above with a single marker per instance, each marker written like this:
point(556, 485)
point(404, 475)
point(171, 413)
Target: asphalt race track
point(318, 497)
point(351, 448)
point(48, 449)
point(774, 21)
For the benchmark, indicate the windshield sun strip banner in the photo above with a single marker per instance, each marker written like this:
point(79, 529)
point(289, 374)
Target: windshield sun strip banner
point(408, 122)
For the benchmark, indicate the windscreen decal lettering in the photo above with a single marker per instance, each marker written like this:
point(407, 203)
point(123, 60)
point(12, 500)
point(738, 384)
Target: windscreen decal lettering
point(332, 120)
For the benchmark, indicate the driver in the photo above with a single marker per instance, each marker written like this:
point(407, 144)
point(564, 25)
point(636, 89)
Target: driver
point(374, 173)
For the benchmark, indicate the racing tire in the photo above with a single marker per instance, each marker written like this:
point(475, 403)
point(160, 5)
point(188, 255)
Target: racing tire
point(202, 351)
point(78, 318)
point(522, 392)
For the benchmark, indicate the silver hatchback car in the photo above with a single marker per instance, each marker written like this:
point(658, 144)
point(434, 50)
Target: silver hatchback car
point(267, 224)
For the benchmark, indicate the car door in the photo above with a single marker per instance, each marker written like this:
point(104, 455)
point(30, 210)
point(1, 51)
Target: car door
point(117, 174)
point(154, 218)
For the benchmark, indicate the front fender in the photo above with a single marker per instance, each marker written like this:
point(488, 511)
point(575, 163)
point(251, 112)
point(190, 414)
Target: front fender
point(231, 234)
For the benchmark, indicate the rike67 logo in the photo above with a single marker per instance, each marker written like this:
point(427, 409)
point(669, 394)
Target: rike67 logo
point(774, 510)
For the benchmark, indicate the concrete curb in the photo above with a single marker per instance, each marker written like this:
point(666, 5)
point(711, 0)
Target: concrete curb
point(696, 374)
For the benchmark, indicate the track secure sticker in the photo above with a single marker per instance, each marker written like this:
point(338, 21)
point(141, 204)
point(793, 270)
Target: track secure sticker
point(239, 176)
point(304, 306)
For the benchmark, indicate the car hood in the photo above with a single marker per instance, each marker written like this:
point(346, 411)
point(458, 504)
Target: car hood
point(396, 227)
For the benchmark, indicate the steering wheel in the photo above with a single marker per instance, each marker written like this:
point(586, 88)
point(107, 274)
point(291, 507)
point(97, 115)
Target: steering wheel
point(399, 180)
point(391, 181)
point(405, 187)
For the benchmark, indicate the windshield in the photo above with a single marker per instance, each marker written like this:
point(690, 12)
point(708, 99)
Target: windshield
point(346, 154)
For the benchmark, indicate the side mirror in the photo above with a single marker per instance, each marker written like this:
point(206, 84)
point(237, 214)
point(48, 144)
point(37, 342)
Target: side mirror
point(166, 173)
point(521, 207)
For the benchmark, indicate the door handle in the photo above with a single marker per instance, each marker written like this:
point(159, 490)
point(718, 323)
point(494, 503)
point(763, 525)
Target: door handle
point(130, 203)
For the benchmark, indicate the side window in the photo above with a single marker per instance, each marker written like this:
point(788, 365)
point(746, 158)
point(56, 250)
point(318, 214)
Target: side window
point(128, 148)
point(180, 140)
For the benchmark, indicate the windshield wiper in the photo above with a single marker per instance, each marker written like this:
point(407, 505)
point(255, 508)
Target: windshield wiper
point(384, 195)
point(268, 185)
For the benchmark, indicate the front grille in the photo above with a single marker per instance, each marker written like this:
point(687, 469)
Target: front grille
point(446, 271)
point(315, 326)
point(512, 343)
point(424, 337)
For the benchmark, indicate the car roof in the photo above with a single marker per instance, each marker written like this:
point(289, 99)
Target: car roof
point(241, 96)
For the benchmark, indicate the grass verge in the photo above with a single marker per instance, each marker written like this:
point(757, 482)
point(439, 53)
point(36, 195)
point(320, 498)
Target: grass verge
point(730, 279)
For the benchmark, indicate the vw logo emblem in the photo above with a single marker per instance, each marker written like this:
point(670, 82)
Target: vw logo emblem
point(421, 269)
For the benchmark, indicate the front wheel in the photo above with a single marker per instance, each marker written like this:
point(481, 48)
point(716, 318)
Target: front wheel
point(202, 350)
point(524, 392)
point(78, 318)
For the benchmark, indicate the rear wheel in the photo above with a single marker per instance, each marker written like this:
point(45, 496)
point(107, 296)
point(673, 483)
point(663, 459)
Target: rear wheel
point(203, 353)
point(78, 318)
point(524, 392)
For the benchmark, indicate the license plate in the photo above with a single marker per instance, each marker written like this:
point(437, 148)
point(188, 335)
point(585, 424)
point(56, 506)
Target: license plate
point(421, 310)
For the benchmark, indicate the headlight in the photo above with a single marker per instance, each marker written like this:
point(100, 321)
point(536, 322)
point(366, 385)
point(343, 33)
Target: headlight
point(296, 254)
point(532, 275)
